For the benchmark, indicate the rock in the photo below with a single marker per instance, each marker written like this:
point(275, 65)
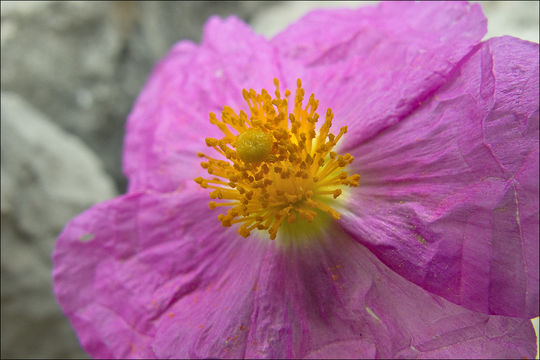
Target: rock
point(48, 177)
point(516, 18)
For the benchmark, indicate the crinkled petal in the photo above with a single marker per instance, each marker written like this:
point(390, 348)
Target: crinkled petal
point(373, 65)
point(449, 196)
point(169, 122)
point(155, 275)
point(333, 299)
point(120, 266)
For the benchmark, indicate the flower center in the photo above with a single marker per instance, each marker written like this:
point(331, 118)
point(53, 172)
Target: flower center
point(278, 171)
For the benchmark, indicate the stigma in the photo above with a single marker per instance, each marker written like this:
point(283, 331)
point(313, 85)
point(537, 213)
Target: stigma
point(274, 168)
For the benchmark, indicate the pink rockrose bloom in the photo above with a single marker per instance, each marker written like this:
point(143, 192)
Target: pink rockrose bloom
point(392, 214)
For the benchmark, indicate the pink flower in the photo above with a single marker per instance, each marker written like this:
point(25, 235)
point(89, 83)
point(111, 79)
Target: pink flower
point(434, 255)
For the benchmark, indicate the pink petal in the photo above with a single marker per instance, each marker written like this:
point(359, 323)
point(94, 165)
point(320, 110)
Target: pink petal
point(169, 122)
point(155, 275)
point(331, 300)
point(449, 196)
point(373, 65)
point(121, 265)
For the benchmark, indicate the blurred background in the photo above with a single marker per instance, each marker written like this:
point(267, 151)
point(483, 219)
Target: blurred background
point(70, 72)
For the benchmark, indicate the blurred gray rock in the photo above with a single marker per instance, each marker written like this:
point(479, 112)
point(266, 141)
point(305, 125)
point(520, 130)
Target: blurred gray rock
point(83, 63)
point(48, 177)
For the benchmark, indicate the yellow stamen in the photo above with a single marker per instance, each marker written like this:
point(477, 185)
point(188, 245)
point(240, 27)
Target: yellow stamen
point(276, 169)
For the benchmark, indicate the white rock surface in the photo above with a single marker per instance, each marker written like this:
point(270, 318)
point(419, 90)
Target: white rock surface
point(516, 18)
point(47, 177)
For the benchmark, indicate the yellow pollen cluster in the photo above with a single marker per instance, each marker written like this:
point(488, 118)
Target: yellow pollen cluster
point(277, 167)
